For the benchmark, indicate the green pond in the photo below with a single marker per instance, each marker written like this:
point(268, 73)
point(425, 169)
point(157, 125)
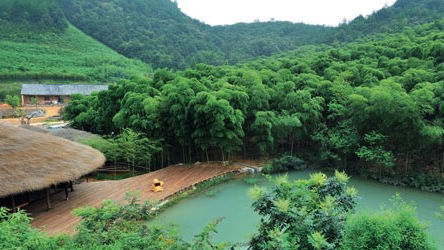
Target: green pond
point(230, 200)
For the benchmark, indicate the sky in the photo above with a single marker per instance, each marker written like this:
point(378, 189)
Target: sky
point(327, 12)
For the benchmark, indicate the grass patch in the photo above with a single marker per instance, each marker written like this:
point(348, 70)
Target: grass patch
point(67, 56)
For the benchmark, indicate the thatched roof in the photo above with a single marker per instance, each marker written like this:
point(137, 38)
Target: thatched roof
point(67, 133)
point(59, 89)
point(32, 161)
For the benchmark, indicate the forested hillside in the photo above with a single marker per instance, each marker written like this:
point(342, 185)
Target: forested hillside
point(36, 42)
point(402, 14)
point(374, 105)
point(157, 32)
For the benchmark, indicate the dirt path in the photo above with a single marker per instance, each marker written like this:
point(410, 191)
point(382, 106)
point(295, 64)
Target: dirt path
point(60, 220)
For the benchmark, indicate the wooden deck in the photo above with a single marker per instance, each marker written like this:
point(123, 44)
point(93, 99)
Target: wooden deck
point(60, 220)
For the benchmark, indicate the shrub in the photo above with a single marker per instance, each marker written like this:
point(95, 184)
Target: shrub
point(17, 233)
point(284, 163)
point(397, 228)
point(304, 214)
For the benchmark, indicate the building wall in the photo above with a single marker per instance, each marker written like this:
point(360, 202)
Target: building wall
point(46, 100)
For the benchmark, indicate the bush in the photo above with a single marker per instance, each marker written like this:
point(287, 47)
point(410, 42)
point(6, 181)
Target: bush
point(398, 228)
point(304, 214)
point(17, 233)
point(285, 163)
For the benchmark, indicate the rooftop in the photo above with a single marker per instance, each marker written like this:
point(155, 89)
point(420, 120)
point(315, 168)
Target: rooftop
point(32, 161)
point(59, 89)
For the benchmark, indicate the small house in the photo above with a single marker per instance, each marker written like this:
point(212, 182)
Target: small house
point(55, 94)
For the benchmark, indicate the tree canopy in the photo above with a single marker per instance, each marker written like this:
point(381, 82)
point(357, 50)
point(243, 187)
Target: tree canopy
point(375, 103)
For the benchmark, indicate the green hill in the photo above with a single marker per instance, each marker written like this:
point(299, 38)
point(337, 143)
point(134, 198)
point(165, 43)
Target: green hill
point(403, 13)
point(38, 44)
point(157, 32)
point(67, 55)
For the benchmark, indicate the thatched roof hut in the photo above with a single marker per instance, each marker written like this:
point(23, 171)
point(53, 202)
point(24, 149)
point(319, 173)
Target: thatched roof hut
point(31, 161)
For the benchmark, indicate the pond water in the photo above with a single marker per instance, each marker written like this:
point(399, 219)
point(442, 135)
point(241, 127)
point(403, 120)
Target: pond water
point(230, 200)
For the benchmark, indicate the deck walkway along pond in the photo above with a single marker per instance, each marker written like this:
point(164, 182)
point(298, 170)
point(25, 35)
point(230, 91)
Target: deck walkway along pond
point(59, 219)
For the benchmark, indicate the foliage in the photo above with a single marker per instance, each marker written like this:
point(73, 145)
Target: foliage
point(109, 226)
point(130, 147)
point(418, 180)
point(16, 231)
point(283, 164)
point(157, 32)
point(389, 19)
point(374, 105)
point(396, 228)
point(65, 56)
point(9, 88)
point(303, 214)
point(125, 227)
point(42, 15)
point(13, 101)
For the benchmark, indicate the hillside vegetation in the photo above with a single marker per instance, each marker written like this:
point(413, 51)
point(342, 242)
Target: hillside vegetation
point(37, 43)
point(157, 32)
point(371, 105)
point(404, 13)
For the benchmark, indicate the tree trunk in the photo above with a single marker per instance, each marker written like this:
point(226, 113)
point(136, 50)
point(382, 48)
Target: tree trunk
point(292, 144)
point(380, 172)
point(244, 149)
point(442, 163)
point(168, 156)
point(189, 153)
point(223, 156)
point(161, 152)
point(206, 153)
point(115, 167)
point(183, 154)
point(406, 163)
point(133, 164)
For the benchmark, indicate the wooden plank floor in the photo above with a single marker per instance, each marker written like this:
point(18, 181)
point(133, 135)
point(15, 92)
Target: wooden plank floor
point(60, 220)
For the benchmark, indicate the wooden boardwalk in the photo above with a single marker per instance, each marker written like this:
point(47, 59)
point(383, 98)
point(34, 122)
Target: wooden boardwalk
point(60, 220)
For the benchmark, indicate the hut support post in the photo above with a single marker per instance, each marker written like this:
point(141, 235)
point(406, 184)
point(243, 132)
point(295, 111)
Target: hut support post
point(13, 204)
point(66, 193)
point(71, 186)
point(48, 200)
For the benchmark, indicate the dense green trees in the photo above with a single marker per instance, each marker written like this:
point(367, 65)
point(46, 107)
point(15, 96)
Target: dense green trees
point(38, 42)
point(366, 104)
point(42, 15)
point(157, 32)
point(392, 19)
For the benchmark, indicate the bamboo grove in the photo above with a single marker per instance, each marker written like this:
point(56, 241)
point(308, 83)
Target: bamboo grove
point(371, 104)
